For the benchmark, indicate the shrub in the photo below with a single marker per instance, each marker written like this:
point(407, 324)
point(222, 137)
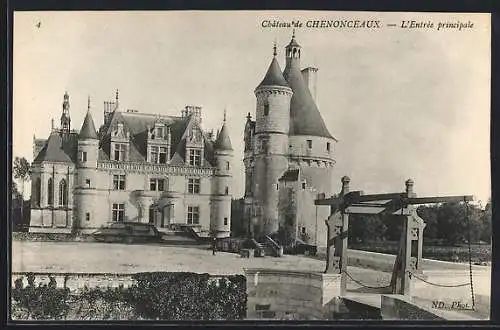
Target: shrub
point(155, 296)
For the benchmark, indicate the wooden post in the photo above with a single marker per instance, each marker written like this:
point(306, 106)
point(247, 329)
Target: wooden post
point(408, 239)
point(344, 239)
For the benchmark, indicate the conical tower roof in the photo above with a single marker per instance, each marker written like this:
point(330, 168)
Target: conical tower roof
point(88, 130)
point(223, 141)
point(274, 76)
point(305, 118)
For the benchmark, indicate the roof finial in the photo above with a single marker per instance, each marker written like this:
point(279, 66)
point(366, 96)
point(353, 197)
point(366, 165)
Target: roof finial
point(116, 95)
point(88, 103)
point(293, 33)
point(224, 115)
point(274, 48)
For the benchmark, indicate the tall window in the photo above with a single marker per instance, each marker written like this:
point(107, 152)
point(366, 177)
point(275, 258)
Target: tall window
point(265, 145)
point(194, 186)
point(83, 156)
point(227, 191)
point(193, 215)
point(38, 191)
point(328, 146)
point(227, 166)
point(157, 184)
point(309, 144)
point(266, 108)
point(119, 182)
point(118, 212)
point(225, 221)
point(63, 193)
point(158, 155)
point(195, 157)
point(120, 152)
point(50, 192)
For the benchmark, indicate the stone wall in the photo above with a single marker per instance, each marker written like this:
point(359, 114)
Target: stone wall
point(282, 294)
point(76, 281)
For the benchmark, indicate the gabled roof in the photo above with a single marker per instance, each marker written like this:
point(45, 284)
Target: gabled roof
point(88, 129)
point(60, 147)
point(274, 76)
point(223, 141)
point(305, 118)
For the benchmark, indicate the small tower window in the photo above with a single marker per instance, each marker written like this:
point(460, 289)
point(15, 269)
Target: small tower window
point(87, 216)
point(309, 144)
point(225, 221)
point(266, 108)
point(328, 146)
point(50, 192)
point(83, 156)
point(87, 183)
point(227, 191)
point(38, 186)
point(63, 193)
point(227, 166)
point(303, 185)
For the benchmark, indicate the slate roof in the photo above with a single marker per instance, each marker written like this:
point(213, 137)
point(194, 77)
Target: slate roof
point(274, 76)
point(305, 118)
point(138, 123)
point(88, 129)
point(60, 147)
point(223, 141)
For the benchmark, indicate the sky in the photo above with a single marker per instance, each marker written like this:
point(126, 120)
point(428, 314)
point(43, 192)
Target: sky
point(403, 103)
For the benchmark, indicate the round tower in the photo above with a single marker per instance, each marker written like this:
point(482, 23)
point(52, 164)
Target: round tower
point(220, 220)
point(85, 192)
point(310, 144)
point(271, 134)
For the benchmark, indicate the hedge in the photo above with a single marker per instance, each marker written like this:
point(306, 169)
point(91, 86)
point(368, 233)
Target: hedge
point(155, 296)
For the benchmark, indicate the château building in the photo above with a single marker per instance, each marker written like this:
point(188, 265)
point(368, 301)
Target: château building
point(141, 167)
point(289, 154)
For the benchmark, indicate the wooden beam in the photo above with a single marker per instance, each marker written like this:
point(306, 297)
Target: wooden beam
point(431, 200)
point(375, 197)
point(337, 201)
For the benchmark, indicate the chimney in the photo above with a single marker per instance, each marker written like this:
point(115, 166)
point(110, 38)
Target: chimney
point(310, 75)
point(192, 110)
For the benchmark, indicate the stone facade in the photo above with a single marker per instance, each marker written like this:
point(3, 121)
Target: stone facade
point(137, 167)
point(289, 154)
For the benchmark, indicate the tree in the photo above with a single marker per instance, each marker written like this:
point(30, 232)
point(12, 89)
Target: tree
point(366, 228)
point(21, 170)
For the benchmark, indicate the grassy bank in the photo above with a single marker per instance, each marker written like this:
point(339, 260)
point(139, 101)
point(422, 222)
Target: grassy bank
point(480, 252)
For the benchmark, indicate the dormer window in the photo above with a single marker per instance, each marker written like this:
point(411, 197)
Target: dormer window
point(195, 157)
point(120, 152)
point(158, 155)
point(159, 133)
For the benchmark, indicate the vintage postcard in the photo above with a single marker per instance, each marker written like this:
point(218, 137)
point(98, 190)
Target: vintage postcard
point(250, 165)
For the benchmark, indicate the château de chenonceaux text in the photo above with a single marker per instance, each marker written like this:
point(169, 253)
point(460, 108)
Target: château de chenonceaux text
point(370, 24)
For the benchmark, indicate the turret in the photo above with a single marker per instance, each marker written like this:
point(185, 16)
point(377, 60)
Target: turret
point(88, 145)
point(220, 222)
point(65, 118)
point(271, 142)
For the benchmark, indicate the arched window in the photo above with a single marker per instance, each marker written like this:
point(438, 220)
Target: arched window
point(38, 190)
point(50, 192)
point(63, 193)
